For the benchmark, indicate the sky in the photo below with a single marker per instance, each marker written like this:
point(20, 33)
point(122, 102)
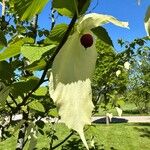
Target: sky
point(124, 10)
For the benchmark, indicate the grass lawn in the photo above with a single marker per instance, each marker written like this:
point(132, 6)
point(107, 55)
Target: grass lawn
point(123, 136)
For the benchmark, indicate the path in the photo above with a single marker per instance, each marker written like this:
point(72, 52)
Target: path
point(102, 119)
point(99, 119)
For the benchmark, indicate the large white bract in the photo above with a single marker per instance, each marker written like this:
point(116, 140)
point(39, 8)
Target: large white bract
point(70, 80)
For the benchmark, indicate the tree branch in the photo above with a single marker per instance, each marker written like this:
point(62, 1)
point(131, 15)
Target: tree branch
point(49, 62)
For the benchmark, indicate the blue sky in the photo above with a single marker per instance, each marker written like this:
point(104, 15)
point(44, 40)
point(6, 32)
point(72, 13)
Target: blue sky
point(125, 10)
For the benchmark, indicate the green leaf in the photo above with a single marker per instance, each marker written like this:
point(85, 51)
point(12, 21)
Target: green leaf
point(3, 41)
point(36, 106)
point(3, 95)
point(40, 124)
point(18, 126)
point(68, 8)
point(41, 91)
point(36, 52)
point(22, 87)
point(102, 34)
point(53, 112)
point(64, 7)
point(147, 21)
point(14, 48)
point(28, 9)
point(36, 65)
point(6, 71)
point(56, 34)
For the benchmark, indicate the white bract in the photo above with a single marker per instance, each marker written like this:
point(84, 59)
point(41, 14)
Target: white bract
point(119, 111)
point(147, 21)
point(72, 69)
point(127, 65)
point(118, 72)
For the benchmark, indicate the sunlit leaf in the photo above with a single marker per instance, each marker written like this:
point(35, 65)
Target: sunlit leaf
point(27, 9)
point(36, 106)
point(41, 91)
point(14, 48)
point(34, 53)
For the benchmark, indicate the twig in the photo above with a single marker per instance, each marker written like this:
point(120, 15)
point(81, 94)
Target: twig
point(13, 99)
point(63, 141)
point(53, 17)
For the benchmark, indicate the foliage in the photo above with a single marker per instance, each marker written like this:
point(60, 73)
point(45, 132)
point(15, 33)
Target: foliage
point(139, 82)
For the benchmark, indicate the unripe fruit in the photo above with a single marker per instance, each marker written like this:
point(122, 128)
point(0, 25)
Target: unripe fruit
point(86, 40)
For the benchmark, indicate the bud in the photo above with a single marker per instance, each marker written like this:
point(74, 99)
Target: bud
point(86, 40)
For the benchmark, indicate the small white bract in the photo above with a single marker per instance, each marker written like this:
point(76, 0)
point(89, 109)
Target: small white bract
point(127, 65)
point(118, 72)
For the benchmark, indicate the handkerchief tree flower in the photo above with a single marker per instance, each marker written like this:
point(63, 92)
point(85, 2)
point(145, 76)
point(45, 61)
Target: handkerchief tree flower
point(72, 69)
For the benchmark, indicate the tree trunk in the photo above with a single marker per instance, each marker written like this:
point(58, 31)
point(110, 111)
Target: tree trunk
point(22, 132)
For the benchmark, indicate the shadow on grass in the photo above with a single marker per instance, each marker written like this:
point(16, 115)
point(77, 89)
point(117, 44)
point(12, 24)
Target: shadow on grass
point(141, 124)
point(145, 132)
point(113, 120)
point(131, 112)
point(77, 144)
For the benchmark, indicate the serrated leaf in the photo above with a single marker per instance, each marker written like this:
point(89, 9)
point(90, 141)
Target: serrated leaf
point(14, 48)
point(147, 21)
point(3, 95)
point(28, 9)
point(3, 41)
point(56, 33)
point(102, 34)
point(37, 106)
point(22, 87)
point(34, 53)
point(64, 7)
